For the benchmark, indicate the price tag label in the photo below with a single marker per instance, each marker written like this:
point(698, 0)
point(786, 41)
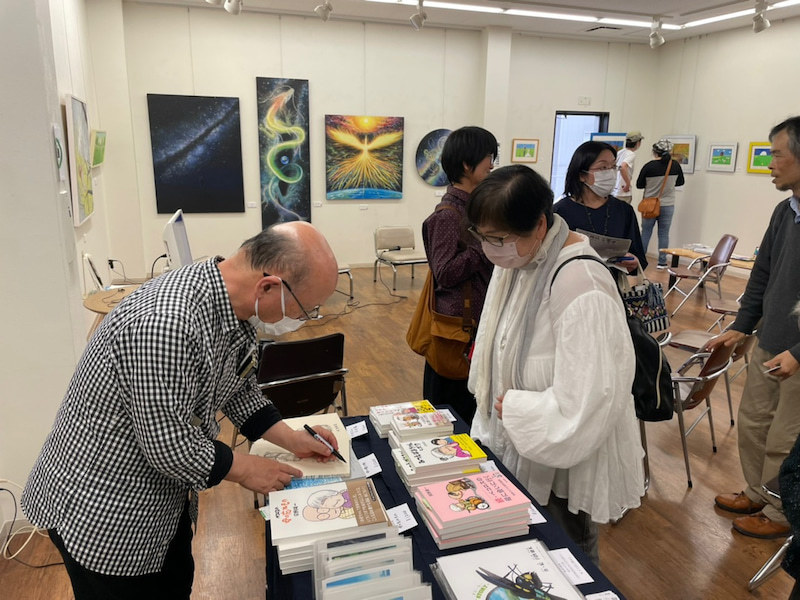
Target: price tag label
point(357, 429)
point(402, 518)
point(370, 465)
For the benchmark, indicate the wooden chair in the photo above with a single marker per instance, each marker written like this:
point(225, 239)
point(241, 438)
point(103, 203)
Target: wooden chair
point(693, 390)
point(396, 246)
point(704, 269)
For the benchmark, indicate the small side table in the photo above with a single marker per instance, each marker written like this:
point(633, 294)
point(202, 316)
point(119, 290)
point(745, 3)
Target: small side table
point(103, 302)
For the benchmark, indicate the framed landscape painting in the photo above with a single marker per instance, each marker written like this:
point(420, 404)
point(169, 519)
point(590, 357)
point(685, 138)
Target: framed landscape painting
point(759, 157)
point(524, 151)
point(722, 157)
point(614, 139)
point(683, 150)
point(80, 160)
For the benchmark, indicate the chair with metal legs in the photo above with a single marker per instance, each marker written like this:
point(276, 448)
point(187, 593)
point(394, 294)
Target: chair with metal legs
point(774, 562)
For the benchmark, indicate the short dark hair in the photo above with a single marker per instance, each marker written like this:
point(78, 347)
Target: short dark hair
point(792, 128)
point(467, 145)
point(582, 159)
point(512, 198)
point(631, 143)
point(276, 250)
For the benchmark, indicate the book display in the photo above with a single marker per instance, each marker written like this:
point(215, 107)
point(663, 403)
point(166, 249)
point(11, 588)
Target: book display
point(381, 416)
point(414, 426)
point(299, 517)
point(472, 509)
point(516, 570)
point(419, 462)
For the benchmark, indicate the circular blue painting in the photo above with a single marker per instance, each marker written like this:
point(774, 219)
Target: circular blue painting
point(429, 153)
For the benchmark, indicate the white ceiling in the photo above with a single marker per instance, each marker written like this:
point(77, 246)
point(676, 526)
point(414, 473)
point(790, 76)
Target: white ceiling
point(674, 12)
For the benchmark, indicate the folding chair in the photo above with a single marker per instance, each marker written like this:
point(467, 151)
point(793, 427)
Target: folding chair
point(396, 246)
point(724, 307)
point(692, 390)
point(773, 564)
point(704, 269)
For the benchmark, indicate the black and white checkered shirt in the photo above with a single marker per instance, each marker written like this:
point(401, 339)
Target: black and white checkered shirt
point(136, 430)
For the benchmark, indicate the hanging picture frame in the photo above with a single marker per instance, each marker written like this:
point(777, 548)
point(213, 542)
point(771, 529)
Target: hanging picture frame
point(683, 151)
point(80, 160)
point(98, 146)
point(524, 151)
point(617, 140)
point(722, 157)
point(759, 157)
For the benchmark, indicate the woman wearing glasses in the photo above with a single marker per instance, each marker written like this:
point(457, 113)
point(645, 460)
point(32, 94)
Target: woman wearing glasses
point(553, 363)
point(456, 260)
point(588, 204)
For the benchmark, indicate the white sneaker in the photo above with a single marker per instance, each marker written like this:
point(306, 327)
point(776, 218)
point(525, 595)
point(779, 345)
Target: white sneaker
point(661, 267)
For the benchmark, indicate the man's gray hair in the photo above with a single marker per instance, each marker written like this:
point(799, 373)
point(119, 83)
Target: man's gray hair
point(792, 128)
point(276, 250)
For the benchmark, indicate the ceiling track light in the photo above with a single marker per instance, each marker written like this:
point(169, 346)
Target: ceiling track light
point(418, 18)
point(760, 21)
point(324, 10)
point(233, 6)
point(656, 39)
point(215, 2)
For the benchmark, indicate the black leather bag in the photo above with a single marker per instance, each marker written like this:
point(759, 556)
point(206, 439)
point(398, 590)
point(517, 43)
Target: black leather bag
point(652, 385)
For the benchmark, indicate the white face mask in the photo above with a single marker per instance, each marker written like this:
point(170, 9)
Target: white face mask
point(604, 182)
point(506, 256)
point(285, 325)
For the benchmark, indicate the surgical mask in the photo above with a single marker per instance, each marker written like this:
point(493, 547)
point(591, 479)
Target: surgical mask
point(285, 325)
point(604, 182)
point(506, 256)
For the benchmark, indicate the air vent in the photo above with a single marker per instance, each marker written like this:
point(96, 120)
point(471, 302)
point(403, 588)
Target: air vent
point(604, 27)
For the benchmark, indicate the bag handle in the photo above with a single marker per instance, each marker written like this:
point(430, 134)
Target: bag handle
point(664, 183)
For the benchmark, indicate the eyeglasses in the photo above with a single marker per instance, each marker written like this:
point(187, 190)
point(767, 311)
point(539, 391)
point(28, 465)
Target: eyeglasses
point(614, 168)
point(307, 315)
point(492, 240)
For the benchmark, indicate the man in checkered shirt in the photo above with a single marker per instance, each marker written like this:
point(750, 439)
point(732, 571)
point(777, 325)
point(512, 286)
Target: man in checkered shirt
point(135, 437)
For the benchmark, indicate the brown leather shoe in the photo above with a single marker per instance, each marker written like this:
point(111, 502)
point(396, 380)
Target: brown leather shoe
point(760, 526)
point(738, 503)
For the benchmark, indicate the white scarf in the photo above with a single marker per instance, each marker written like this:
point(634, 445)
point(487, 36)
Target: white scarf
point(524, 314)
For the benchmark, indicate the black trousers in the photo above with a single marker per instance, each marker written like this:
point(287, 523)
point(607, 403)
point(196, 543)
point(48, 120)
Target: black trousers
point(173, 582)
point(441, 390)
point(579, 528)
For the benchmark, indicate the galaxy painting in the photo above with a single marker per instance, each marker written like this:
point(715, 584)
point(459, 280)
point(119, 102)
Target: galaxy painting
point(283, 150)
point(197, 153)
point(429, 157)
point(363, 157)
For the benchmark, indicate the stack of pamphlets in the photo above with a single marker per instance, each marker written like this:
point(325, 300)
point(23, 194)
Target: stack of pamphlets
point(417, 426)
point(302, 516)
point(425, 461)
point(473, 509)
point(375, 566)
point(381, 416)
point(310, 467)
point(517, 570)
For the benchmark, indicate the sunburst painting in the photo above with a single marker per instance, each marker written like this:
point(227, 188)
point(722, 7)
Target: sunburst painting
point(363, 157)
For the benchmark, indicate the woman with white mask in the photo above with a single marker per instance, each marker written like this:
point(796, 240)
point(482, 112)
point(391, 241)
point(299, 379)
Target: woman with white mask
point(553, 363)
point(588, 205)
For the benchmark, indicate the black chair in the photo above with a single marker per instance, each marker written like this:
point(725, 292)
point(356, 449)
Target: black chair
point(303, 377)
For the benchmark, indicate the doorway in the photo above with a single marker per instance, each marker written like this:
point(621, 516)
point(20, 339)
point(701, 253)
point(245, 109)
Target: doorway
point(571, 130)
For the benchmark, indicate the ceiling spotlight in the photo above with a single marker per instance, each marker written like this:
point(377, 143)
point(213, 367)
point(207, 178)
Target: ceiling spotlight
point(324, 10)
point(656, 39)
point(760, 22)
point(233, 6)
point(215, 2)
point(418, 18)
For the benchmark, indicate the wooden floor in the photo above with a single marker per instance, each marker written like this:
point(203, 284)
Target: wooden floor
point(677, 545)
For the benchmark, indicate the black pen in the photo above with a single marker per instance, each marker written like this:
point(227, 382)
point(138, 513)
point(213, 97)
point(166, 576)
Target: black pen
point(319, 438)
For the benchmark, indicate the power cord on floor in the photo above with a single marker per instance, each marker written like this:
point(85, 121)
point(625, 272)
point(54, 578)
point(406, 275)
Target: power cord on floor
point(29, 529)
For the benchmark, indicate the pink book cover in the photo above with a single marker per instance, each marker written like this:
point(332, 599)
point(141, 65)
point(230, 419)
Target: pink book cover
point(470, 496)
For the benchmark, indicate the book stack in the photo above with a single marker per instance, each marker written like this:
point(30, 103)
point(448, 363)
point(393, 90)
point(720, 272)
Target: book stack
point(370, 567)
point(302, 516)
point(311, 468)
point(418, 426)
point(517, 570)
point(420, 462)
point(472, 509)
point(381, 416)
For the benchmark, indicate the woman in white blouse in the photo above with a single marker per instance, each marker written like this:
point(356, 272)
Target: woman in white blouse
point(553, 364)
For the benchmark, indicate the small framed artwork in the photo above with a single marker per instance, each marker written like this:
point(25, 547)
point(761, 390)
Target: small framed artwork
point(524, 151)
point(613, 139)
point(80, 160)
point(722, 157)
point(759, 157)
point(683, 150)
point(98, 145)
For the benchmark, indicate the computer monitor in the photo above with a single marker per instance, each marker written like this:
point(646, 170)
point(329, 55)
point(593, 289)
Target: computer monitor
point(177, 242)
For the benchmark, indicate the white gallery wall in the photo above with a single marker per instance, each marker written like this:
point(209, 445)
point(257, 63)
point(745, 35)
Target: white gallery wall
point(731, 86)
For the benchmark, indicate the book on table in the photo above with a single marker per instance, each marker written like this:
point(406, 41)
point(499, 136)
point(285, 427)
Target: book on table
point(310, 466)
point(516, 570)
point(381, 416)
point(414, 426)
point(443, 454)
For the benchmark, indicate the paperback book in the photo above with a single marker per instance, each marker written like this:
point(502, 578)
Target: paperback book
point(381, 415)
point(408, 426)
point(443, 454)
